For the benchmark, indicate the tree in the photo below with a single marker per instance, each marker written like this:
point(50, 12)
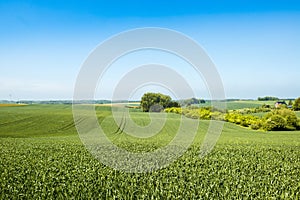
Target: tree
point(275, 123)
point(296, 105)
point(281, 119)
point(267, 98)
point(191, 101)
point(156, 102)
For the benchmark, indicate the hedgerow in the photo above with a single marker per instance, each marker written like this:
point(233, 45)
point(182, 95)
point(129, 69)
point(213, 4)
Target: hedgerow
point(274, 120)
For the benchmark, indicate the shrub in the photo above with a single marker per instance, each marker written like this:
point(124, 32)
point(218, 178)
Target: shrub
point(275, 123)
point(296, 105)
point(218, 116)
point(258, 124)
point(278, 119)
point(243, 120)
point(174, 110)
point(204, 114)
point(291, 120)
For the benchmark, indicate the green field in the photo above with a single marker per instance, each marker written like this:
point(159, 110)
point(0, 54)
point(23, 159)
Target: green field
point(43, 157)
point(234, 105)
point(240, 104)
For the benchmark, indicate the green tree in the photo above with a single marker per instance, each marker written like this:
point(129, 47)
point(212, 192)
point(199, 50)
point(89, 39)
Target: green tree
point(267, 98)
point(296, 105)
point(275, 123)
point(281, 119)
point(156, 102)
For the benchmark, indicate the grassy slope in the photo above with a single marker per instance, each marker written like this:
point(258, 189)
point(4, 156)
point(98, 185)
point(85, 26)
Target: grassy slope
point(233, 105)
point(42, 156)
point(36, 120)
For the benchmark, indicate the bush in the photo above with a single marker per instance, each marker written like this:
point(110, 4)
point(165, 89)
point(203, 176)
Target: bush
point(175, 110)
point(291, 118)
point(194, 114)
point(243, 120)
point(263, 108)
point(278, 119)
point(257, 124)
point(296, 105)
point(218, 116)
point(204, 114)
point(291, 122)
point(275, 123)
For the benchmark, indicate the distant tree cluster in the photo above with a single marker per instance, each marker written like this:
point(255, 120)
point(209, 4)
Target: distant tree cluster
point(157, 102)
point(267, 98)
point(188, 102)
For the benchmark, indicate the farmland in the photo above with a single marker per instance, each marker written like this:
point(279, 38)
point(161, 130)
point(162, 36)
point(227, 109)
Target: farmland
point(11, 105)
point(233, 105)
point(43, 157)
point(239, 104)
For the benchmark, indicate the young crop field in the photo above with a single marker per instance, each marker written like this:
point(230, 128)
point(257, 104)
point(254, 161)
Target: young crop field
point(234, 105)
point(42, 157)
point(240, 104)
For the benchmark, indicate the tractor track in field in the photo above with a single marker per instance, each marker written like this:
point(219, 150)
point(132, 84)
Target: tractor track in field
point(17, 121)
point(71, 124)
point(68, 126)
point(122, 125)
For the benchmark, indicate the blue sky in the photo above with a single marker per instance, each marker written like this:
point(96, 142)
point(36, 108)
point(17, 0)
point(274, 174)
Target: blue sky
point(254, 44)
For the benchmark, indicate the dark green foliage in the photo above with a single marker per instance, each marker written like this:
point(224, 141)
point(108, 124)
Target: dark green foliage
point(156, 102)
point(188, 102)
point(155, 108)
point(173, 104)
point(267, 98)
point(296, 105)
point(265, 106)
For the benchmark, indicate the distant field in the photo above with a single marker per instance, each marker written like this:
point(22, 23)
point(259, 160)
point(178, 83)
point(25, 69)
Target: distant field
point(11, 105)
point(234, 105)
point(136, 104)
point(42, 156)
point(230, 105)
